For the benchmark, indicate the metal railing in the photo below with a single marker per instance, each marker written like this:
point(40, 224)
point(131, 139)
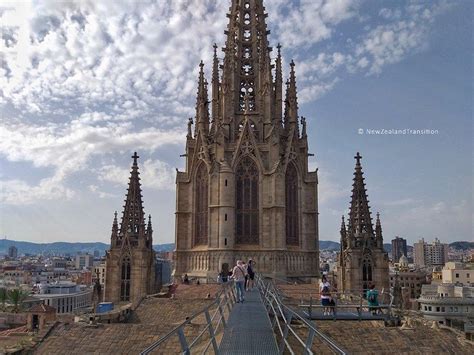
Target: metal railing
point(350, 300)
point(283, 316)
point(225, 299)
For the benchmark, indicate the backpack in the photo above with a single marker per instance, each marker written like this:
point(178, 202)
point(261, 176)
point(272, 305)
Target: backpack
point(325, 290)
point(372, 297)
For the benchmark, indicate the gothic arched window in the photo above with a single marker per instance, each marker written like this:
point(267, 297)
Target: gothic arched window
point(247, 216)
point(202, 207)
point(291, 204)
point(125, 279)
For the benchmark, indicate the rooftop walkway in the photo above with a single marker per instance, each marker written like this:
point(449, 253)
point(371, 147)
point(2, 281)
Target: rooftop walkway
point(249, 330)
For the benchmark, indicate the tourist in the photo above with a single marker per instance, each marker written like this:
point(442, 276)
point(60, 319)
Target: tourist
point(251, 275)
point(245, 266)
point(325, 295)
point(222, 277)
point(372, 299)
point(238, 274)
point(186, 279)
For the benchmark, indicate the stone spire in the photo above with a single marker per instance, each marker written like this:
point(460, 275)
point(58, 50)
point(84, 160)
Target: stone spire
point(247, 55)
point(360, 221)
point(215, 86)
point(292, 98)
point(133, 222)
point(303, 128)
point(149, 228)
point(115, 230)
point(202, 102)
point(278, 87)
point(378, 232)
point(343, 235)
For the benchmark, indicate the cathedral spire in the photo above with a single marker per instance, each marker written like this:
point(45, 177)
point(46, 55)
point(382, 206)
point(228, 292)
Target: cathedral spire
point(292, 96)
point(278, 87)
point(133, 221)
point(247, 55)
point(360, 221)
point(114, 235)
point(378, 232)
point(215, 86)
point(202, 111)
point(149, 228)
point(343, 234)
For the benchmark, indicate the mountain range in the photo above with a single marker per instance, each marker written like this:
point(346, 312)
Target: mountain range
point(63, 248)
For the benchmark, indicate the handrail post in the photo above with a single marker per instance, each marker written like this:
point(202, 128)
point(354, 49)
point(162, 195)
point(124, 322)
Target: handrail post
point(183, 342)
point(285, 332)
point(309, 341)
point(211, 332)
point(310, 309)
point(227, 301)
point(222, 315)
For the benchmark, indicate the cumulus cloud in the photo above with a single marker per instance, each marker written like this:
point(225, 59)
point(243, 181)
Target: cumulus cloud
point(68, 147)
point(406, 32)
point(97, 190)
point(85, 79)
point(154, 174)
point(18, 192)
point(307, 22)
point(124, 57)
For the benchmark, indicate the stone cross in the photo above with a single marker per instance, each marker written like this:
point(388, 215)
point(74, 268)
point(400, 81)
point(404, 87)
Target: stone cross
point(358, 157)
point(135, 157)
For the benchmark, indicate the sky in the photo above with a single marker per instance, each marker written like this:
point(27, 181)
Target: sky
point(84, 84)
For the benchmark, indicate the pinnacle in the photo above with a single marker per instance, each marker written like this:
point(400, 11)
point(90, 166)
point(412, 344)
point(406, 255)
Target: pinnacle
point(133, 203)
point(359, 215)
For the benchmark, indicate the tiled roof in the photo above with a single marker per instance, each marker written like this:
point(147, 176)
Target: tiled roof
point(153, 319)
point(42, 308)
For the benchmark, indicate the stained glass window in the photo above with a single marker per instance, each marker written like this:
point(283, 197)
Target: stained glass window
point(202, 182)
point(247, 211)
point(291, 203)
point(125, 283)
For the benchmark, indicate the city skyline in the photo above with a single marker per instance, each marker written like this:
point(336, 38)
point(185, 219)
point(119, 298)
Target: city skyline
point(90, 89)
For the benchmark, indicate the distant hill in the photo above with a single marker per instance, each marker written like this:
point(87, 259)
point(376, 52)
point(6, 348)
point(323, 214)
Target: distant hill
point(63, 248)
point(164, 247)
point(328, 245)
point(462, 245)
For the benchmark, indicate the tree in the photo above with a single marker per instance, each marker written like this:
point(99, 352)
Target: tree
point(3, 297)
point(16, 297)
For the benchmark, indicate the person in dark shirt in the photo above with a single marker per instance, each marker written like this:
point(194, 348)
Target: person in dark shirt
point(251, 274)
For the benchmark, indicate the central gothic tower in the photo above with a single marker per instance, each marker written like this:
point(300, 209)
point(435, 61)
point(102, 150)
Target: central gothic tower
point(246, 191)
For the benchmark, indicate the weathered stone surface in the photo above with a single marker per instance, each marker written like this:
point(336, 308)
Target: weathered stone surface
point(246, 191)
point(130, 262)
point(362, 261)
